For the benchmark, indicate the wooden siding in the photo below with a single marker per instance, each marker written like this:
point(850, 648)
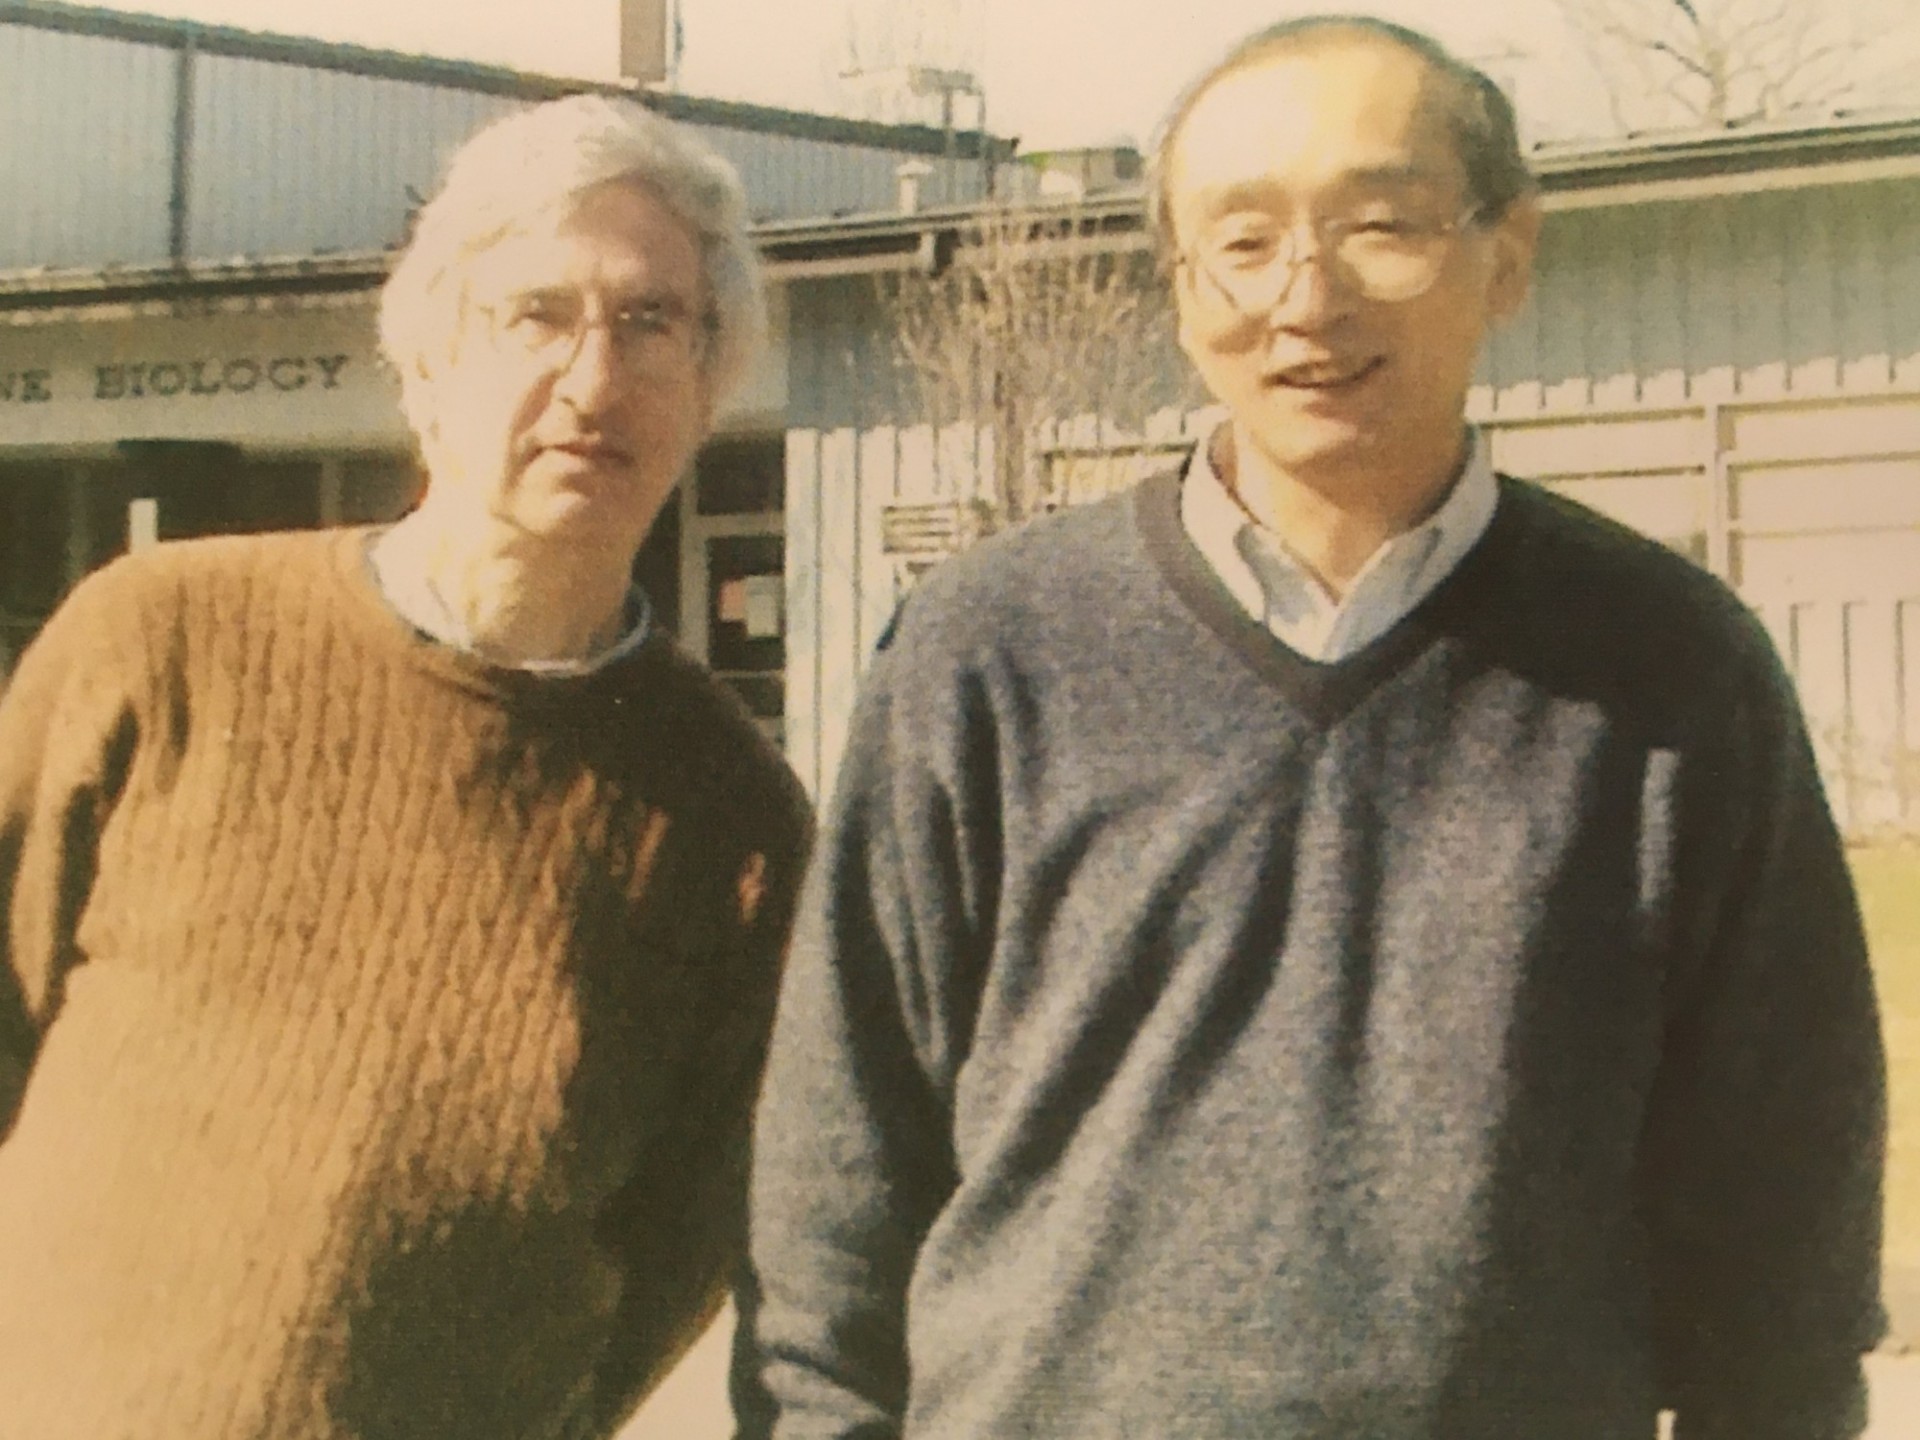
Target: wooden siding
point(1739, 378)
point(1811, 293)
point(1810, 509)
point(1801, 293)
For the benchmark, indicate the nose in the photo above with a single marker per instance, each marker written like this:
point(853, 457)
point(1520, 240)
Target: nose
point(589, 375)
point(1309, 290)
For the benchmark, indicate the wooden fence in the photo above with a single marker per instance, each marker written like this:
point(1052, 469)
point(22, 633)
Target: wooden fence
point(867, 510)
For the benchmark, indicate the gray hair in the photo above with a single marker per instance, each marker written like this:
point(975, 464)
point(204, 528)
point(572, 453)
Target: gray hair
point(1486, 134)
point(549, 155)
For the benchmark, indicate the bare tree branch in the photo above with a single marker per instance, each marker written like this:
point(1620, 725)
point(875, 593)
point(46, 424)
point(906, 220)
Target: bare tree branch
point(1690, 62)
point(1033, 322)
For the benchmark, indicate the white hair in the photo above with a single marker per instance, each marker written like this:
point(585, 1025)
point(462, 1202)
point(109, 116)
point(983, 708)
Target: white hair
point(548, 156)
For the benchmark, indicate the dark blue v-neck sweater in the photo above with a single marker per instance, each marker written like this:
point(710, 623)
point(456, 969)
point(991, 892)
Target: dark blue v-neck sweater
point(1473, 1038)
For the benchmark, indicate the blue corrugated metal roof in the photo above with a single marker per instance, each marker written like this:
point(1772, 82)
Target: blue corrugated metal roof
point(85, 184)
point(312, 54)
point(297, 147)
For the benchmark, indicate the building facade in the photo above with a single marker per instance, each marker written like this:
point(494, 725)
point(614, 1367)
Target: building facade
point(198, 220)
point(1722, 350)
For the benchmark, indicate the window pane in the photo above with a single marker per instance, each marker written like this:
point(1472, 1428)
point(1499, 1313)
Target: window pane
point(745, 591)
point(741, 477)
point(33, 539)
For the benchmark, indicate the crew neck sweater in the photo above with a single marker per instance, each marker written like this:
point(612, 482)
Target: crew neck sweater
point(378, 1028)
point(1186, 1040)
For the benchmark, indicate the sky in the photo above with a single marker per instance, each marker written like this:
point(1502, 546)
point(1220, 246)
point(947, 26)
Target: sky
point(1056, 73)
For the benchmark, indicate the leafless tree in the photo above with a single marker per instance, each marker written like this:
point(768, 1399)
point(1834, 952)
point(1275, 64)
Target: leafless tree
point(1034, 319)
point(1728, 62)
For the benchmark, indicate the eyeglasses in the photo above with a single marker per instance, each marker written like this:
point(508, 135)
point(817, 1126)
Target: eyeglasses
point(650, 339)
point(1389, 258)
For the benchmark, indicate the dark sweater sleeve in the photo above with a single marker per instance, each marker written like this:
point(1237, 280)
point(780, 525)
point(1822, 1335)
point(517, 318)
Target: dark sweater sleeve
point(680, 1227)
point(853, 1150)
point(1766, 1141)
point(67, 721)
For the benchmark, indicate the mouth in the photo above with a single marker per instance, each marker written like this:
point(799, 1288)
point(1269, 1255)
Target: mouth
point(591, 450)
point(1325, 376)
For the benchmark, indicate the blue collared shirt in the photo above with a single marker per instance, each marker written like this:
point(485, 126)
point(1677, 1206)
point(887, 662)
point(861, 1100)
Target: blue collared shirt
point(1277, 590)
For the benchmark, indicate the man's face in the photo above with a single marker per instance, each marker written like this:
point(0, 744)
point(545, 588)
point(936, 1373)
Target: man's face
point(576, 393)
point(1319, 376)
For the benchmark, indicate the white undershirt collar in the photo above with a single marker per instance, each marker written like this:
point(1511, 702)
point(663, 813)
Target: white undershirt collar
point(415, 601)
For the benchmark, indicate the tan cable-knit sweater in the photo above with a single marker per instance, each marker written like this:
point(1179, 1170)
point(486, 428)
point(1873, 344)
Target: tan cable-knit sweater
point(377, 1029)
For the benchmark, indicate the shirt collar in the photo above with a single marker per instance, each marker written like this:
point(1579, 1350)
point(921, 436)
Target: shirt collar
point(1270, 583)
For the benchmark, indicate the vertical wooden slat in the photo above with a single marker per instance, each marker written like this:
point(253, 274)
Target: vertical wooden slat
point(1907, 654)
point(987, 440)
point(839, 608)
point(879, 488)
point(917, 479)
point(1820, 667)
point(1566, 311)
point(1708, 288)
point(1810, 296)
point(803, 607)
point(957, 448)
point(1760, 281)
point(1873, 709)
point(1902, 260)
point(1722, 479)
point(1660, 300)
point(1613, 349)
point(1045, 439)
point(1866, 357)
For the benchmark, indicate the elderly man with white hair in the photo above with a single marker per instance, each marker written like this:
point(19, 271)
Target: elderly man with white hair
point(390, 919)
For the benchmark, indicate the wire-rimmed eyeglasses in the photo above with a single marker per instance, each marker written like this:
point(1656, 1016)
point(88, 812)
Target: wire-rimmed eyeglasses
point(650, 336)
point(1390, 258)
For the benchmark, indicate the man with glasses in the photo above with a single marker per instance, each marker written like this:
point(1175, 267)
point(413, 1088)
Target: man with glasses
point(390, 919)
point(1334, 943)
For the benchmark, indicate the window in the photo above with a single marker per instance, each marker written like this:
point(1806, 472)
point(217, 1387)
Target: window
point(35, 520)
point(742, 476)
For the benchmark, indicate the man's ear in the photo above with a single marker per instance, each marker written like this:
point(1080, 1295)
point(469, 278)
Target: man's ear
point(1516, 236)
